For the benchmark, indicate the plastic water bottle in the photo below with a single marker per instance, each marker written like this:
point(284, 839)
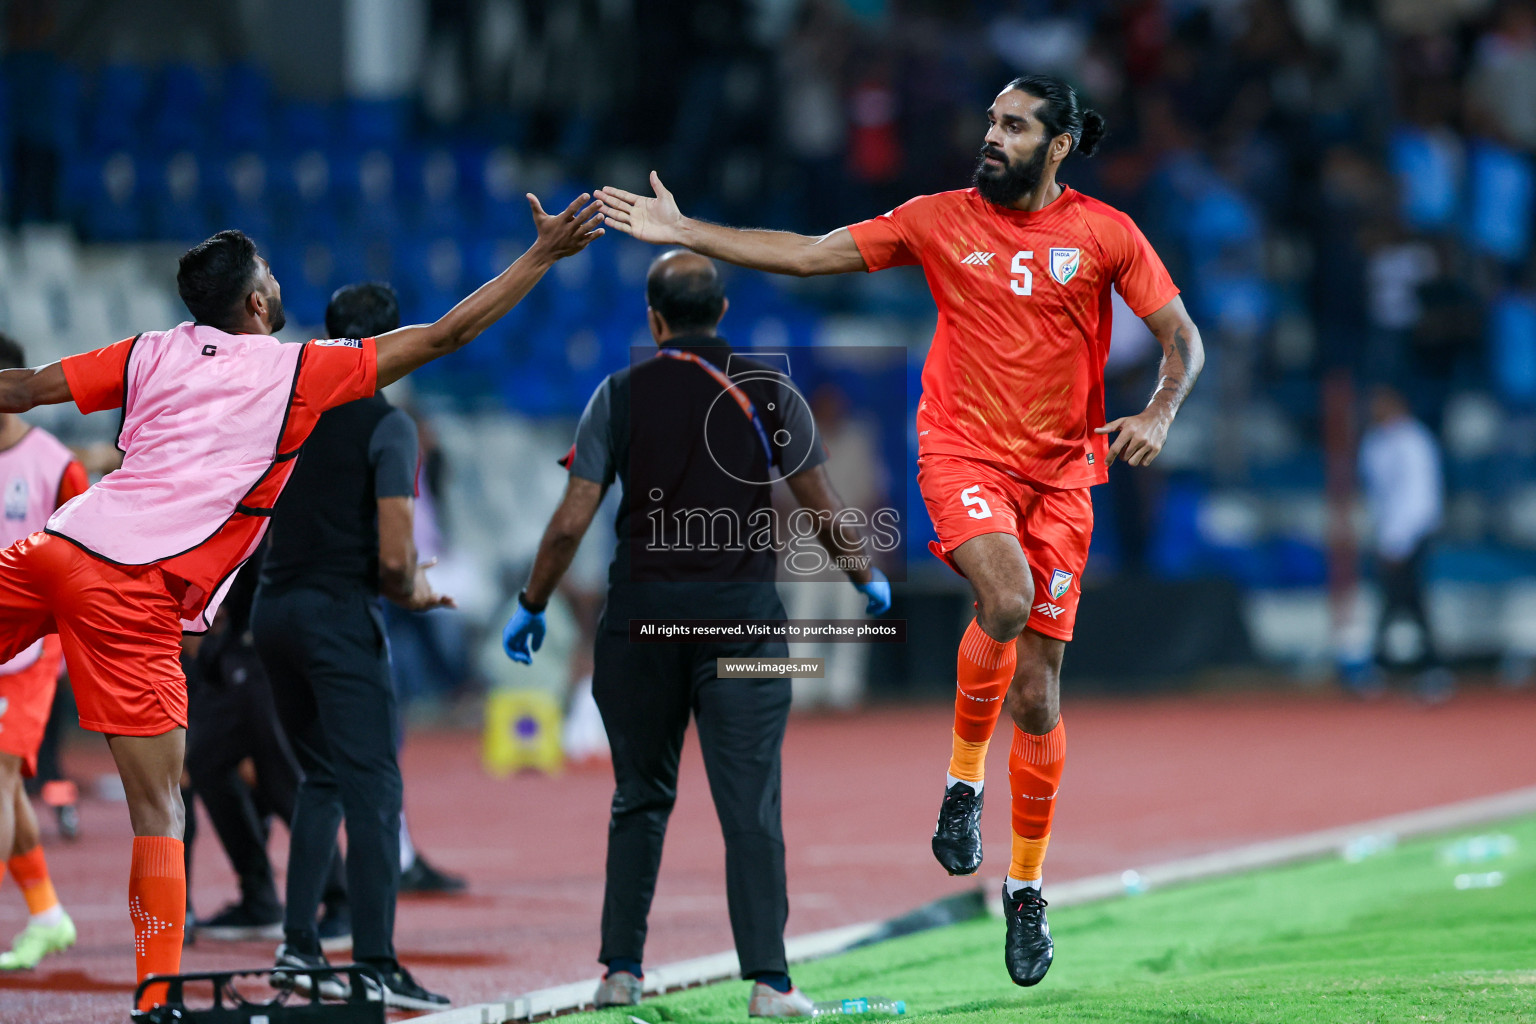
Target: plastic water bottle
point(870, 1004)
point(1481, 880)
point(1477, 849)
point(1362, 847)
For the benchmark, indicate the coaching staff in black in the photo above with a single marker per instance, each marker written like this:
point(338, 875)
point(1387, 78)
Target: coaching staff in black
point(694, 436)
point(341, 536)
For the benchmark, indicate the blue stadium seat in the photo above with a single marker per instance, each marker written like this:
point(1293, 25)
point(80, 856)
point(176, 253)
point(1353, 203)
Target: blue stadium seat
point(303, 125)
point(118, 106)
point(1501, 192)
point(174, 196)
point(240, 193)
point(106, 194)
point(178, 108)
point(1428, 166)
point(1512, 344)
point(367, 123)
point(244, 108)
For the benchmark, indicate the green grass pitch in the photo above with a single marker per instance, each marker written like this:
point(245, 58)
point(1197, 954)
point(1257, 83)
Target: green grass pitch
point(1387, 939)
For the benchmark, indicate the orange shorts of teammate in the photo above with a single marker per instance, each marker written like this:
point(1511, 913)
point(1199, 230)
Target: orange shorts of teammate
point(118, 625)
point(969, 497)
point(26, 698)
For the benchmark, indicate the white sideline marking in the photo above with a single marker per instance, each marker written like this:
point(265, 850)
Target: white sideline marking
point(1274, 852)
point(482, 1013)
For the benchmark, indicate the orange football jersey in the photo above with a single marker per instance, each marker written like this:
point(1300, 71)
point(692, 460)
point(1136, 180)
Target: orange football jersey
point(1016, 371)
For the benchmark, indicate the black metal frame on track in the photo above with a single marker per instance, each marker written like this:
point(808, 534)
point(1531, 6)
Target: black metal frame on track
point(230, 1006)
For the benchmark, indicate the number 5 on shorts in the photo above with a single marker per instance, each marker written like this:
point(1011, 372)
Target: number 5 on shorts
point(970, 497)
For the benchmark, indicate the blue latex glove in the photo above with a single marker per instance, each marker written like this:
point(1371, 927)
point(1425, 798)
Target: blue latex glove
point(878, 590)
point(525, 630)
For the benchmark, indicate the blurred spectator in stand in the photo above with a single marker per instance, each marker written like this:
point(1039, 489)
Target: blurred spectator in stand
point(813, 123)
point(875, 157)
point(1404, 491)
point(1503, 76)
point(1448, 338)
point(1396, 267)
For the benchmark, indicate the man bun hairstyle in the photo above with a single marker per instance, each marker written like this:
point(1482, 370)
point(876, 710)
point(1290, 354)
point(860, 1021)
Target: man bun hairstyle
point(12, 355)
point(214, 277)
point(1060, 113)
point(364, 310)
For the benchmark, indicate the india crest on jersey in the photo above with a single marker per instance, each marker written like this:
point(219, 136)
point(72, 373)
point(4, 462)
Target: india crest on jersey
point(1061, 580)
point(1064, 264)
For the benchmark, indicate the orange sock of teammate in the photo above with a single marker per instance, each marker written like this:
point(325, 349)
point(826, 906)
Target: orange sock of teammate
point(1034, 774)
point(982, 673)
point(30, 870)
point(157, 902)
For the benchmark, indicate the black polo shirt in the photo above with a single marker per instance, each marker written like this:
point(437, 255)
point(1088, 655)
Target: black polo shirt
point(695, 435)
point(325, 528)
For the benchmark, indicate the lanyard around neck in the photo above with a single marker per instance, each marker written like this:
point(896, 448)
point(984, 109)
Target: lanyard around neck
point(737, 394)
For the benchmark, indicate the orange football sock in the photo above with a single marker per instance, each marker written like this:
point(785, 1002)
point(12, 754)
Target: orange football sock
point(1034, 774)
point(157, 902)
point(982, 673)
point(30, 870)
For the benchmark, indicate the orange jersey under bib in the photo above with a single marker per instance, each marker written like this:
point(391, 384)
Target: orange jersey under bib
point(1016, 372)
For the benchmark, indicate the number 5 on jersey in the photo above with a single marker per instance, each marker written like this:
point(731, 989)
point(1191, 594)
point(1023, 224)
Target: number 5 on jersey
point(1024, 287)
point(979, 507)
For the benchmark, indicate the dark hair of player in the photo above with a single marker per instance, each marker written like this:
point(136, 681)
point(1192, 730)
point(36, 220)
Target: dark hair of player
point(364, 310)
point(12, 355)
point(689, 297)
point(215, 276)
point(1060, 113)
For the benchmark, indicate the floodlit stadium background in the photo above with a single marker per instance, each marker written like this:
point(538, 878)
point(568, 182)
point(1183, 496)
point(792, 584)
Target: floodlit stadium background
point(1345, 191)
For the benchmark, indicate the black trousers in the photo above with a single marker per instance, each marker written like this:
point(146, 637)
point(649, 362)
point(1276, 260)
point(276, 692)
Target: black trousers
point(230, 717)
point(325, 652)
point(1402, 595)
point(646, 693)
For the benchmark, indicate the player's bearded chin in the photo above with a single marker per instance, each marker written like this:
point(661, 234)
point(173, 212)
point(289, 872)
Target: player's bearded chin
point(275, 315)
point(1011, 182)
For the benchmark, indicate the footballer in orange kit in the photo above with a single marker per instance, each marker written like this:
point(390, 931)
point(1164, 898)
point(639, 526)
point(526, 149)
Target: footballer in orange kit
point(1011, 429)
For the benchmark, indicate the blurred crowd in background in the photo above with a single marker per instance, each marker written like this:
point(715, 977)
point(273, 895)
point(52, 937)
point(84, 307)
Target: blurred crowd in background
point(1344, 189)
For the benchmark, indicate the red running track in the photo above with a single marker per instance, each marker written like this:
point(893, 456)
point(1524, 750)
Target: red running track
point(1147, 780)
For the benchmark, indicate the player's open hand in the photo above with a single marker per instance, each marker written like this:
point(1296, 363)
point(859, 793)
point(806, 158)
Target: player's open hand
point(568, 232)
point(650, 220)
point(1141, 437)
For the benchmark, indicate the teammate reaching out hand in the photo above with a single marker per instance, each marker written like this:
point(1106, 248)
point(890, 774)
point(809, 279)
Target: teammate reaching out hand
point(213, 413)
point(1011, 430)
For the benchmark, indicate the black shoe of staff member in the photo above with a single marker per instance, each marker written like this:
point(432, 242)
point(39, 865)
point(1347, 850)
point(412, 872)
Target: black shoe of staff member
point(424, 879)
point(1027, 947)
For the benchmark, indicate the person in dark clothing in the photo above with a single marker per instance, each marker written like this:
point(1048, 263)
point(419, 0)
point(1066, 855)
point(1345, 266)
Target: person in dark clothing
point(679, 453)
point(232, 718)
point(341, 535)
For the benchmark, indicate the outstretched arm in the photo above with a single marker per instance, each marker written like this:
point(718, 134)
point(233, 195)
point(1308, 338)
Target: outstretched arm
point(561, 539)
point(659, 220)
point(25, 389)
point(524, 631)
point(560, 235)
point(1142, 435)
